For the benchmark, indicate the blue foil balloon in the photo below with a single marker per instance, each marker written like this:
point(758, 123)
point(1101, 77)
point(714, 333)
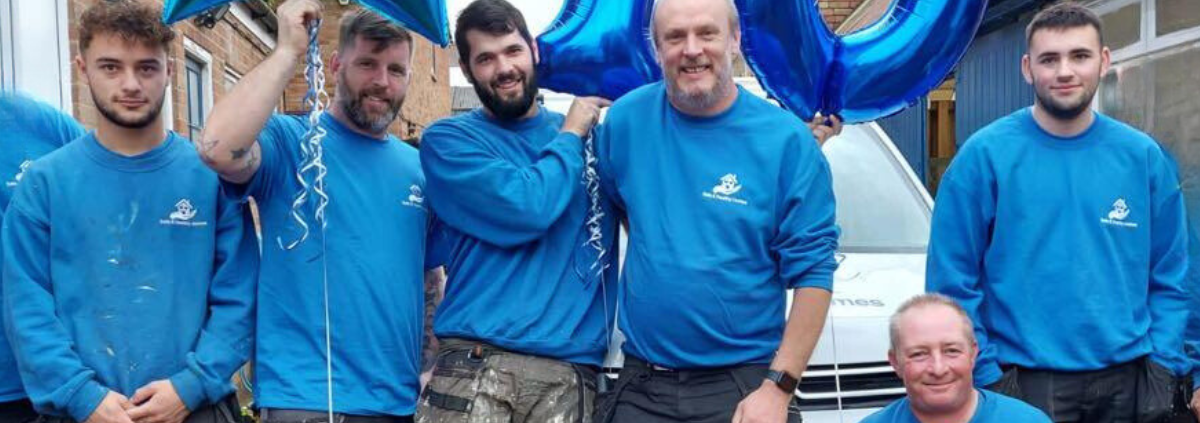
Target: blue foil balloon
point(788, 47)
point(890, 65)
point(864, 76)
point(425, 17)
point(598, 48)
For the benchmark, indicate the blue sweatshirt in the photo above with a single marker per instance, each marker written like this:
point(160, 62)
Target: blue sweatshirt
point(1069, 253)
point(991, 408)
point(375, 248)
point(725, 213)
point(31, 129)
point(120, 271)
point(514, 209)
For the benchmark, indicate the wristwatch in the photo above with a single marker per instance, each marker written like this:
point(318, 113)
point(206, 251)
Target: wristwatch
point(784, 381)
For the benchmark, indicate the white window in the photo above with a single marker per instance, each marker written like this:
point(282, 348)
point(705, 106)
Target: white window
point(35, 49)
point(197, 77)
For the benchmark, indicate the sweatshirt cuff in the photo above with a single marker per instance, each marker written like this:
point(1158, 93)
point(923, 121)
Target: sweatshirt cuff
point(819, 276)
point(84, 401)
point(569, 142)
point(189, 388)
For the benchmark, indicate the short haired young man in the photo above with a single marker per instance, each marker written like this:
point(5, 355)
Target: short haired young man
point(128, 279)
point(1062, 233)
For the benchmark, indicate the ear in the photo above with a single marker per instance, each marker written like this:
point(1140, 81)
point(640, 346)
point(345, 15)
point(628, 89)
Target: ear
point(170, 71)
point(1105, 61)
point(1026, 69)
point(335, 62)
point(536, 58)
point(894, 362)
point(81, 64)
point(466, 71)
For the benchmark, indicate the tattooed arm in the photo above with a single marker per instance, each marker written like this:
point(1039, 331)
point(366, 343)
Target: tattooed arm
point(229, 144)
point(435, 284)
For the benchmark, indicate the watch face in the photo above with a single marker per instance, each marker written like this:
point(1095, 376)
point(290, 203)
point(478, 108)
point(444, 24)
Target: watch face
point(785, 381)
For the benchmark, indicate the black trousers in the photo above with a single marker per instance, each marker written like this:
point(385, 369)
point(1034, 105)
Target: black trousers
point(1138, 391)
point(19, 411)
point(645, 394)
point(275, 415)
point(224, 411)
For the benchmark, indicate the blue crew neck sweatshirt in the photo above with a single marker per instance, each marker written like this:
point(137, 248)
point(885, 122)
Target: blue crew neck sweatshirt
point(373, 251)
point(725, 214)
point(120, 271)
point(31, 130)
point(1069, 253)
point(991, 408)
point(511, 199)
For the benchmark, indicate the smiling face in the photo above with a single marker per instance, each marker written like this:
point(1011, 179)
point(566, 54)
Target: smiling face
point(501, 68)
point(696, 41)
point(372, 81)
point(127, 78)
point(934, 356)
point(1065, 65)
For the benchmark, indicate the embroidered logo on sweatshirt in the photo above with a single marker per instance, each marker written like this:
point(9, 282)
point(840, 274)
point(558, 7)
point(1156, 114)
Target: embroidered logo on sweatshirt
point(416, 198)
point(183, 215)
point(20, 174)
point(726, 190)
point(1118, 214)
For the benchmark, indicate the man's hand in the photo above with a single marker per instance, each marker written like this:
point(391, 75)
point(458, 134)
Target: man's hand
point(584, 113)
point(1194, 404)
point(294, 16)
point(767, 404)
point(111, 410)
point(158, 402)
point(823, 130)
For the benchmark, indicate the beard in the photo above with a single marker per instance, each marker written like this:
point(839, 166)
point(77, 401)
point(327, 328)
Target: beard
point(508, 109)
point(137, 122)
point(704, 99)
point(1065, 111)
point(351, 103)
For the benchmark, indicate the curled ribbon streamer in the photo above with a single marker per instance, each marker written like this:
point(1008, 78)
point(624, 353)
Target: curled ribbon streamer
point(311, 151)
point(591, 180)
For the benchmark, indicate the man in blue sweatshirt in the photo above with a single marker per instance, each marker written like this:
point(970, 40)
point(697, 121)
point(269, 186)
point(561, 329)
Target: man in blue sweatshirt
point(933, 350)
point(1062, 232)
point(31, 130)
point(529, 305)
point(128, 279)
point(358, 281)
point(729, 205)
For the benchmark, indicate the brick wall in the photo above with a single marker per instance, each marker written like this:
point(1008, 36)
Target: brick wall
point(836, 11)
point(428, 96)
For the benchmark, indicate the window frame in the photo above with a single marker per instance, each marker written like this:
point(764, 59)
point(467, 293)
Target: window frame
point(1150, 42)
point(203, 60)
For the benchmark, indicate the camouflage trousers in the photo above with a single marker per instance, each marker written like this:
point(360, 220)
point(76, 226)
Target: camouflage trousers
point(477, 383)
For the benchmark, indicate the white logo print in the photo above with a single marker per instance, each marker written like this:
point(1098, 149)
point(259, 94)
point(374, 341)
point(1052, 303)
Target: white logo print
point(416, 198)
point(1118, 214)
point(183, 215)
point(725, 190)
point(20, 174)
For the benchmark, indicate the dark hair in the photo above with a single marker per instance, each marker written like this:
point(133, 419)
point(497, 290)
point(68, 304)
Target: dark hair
point(1065, 15)
point(131, 20)
point(495, 17)
point(363, 22)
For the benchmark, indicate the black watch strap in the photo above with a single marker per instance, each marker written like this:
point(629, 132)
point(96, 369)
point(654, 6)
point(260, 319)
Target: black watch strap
point(784, 381)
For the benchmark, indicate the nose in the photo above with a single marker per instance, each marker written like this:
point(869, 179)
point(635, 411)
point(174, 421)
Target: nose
point(130, 84)
point(692, 47)
point(940, 365)
point(1064, 72)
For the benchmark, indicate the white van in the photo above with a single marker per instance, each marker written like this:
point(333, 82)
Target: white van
point(884, 213)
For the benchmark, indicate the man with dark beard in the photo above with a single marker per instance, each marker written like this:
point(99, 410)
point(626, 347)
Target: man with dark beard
point(523, 322)
point(372, 252)
point(1061, 231)
point(128, 278)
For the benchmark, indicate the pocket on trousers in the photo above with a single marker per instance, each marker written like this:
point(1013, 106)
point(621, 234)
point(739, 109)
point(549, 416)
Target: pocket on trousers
point(1155, 387)
point(450, 393)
